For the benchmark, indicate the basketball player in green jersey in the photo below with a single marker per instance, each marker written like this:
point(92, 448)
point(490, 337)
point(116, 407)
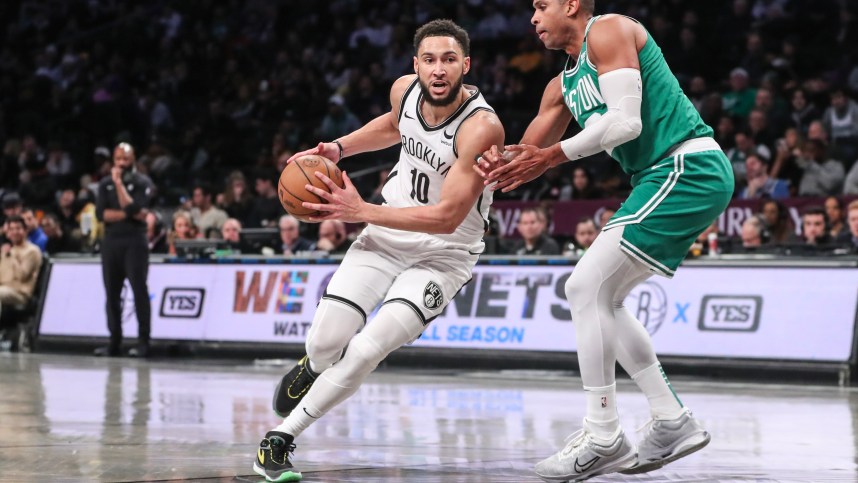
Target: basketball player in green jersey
point(618, 87)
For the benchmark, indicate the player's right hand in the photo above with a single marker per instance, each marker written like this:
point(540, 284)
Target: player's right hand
point(328, 150)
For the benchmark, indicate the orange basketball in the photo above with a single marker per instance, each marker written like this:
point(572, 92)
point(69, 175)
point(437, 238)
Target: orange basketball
point(300, 173)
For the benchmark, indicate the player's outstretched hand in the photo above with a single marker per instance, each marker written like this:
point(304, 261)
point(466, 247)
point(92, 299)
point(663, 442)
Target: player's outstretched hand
point(344, 204)
point(489, 160)
point(527, 162)
point(328, 150)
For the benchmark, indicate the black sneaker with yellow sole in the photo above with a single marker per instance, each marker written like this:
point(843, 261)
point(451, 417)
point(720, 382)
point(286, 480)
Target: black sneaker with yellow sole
point(293, 387)
point(272, 458)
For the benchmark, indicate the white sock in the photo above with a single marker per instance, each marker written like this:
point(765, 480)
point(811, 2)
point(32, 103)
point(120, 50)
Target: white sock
point(663, 402)
point(602, 420)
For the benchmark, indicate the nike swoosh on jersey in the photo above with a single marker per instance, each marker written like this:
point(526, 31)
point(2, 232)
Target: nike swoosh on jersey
point(406, 115)
point(449, 136)
point(662, 165)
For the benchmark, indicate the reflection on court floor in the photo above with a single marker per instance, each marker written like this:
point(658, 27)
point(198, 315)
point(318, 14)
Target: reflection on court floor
point(76, 418)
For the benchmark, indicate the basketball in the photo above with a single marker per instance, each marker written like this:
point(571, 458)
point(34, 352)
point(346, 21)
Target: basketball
point(298, 174)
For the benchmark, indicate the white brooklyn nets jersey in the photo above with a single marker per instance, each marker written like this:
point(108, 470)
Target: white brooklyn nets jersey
point(427, 154)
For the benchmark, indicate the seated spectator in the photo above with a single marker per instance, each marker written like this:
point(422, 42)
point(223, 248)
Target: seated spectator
point(20, 261)
point(753, 232)
point(785, 166)
point(66, 211)
point(849, 238)
point(156, 233)
point(822, 177)
point(34, 231)
point(760, 185)
point(266, 209)
point(231, 233)
point(532, 224)
point(236, 199)
point(183, 229)
point(581, 188)
point(834, 212)
point(586, 232)
point(207, 217)
point(12, 205)
point(814, 222)
point(59, 240)
point(780, 226)
point(291, 241)
point(740, 100)
point(803, 111)
point(745, 146)
point(841, 120)
point(332, 237)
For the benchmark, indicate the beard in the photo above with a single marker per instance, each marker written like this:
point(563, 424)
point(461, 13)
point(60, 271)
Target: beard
point(444, 101)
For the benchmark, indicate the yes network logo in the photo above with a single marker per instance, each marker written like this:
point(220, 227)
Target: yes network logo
point(182, 303)
point(735, 313)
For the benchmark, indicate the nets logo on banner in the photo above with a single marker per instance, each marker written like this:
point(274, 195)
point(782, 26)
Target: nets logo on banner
point(182, 303)
point(255, 290)
point(736, 313)
point(648, 303)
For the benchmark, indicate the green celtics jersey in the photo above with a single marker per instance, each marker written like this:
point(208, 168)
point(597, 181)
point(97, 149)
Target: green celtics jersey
point(668, 117)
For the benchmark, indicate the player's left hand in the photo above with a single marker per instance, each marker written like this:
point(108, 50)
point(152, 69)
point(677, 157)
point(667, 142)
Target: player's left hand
point(344, 204)
point(527, 164)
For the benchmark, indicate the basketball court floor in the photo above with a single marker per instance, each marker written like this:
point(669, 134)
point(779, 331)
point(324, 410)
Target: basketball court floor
point(78, 418)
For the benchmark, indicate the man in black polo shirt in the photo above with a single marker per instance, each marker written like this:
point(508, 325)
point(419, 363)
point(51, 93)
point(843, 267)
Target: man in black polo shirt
point(123, 201)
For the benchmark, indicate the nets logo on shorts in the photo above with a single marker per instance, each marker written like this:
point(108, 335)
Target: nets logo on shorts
point(432, 296)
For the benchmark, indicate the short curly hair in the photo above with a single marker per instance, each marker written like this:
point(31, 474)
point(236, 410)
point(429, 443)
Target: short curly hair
point(443, 28)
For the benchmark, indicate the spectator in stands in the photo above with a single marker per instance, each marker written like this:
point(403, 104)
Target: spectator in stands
point(834, 211)
point(66, 211)
point(803, 111)
point(231, 233)
point(745, 146)
point(814, 226)
point(207, 217)
point(760, 184)
point(822, 177)
point(183, 228)
point(291, 241)
point(532, 225)
point(778, 222)
point(266, 208)
point(585, 234)
point(34, 231)
point(156, 233)
point(236, 199)
point(59, 241)
point(581, 187)
point(20, 261)
point(740, 100)
point(849, 238)
point(12, 205)
point(752, 232)
point(758, 126)
point(333, 238)
point(785, 165)
point(841, 122)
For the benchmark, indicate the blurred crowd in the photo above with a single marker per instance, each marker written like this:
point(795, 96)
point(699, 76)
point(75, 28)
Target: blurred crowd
point(216, 95)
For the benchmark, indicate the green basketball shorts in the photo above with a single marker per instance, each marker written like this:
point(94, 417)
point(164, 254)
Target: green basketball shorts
point(671, 204)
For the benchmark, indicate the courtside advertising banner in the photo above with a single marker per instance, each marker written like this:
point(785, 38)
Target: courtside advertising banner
point(732, 312)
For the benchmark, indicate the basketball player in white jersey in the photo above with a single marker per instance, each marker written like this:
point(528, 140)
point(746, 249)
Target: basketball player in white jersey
point(419, 247)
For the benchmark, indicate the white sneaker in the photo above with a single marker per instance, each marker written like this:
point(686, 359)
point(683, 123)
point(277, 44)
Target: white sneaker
point(665, 441)
point(583, 457)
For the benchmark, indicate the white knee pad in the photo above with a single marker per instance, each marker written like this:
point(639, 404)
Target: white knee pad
point(581, 289)
point(334, 325)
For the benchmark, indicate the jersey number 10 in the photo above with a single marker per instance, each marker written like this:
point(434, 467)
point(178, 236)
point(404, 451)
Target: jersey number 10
point(419, 186)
